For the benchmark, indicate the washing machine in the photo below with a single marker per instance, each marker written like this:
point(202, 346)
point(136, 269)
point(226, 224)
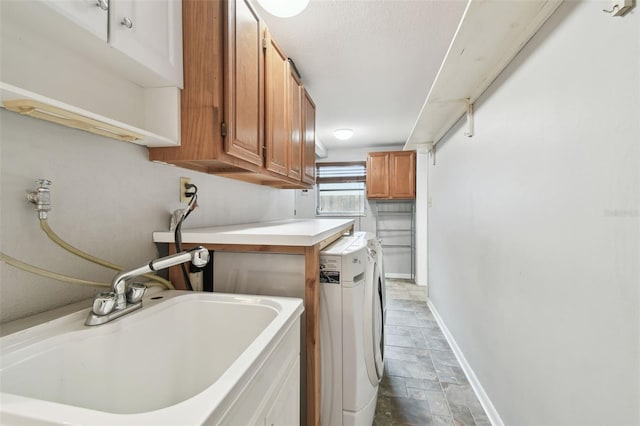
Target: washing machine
point(374, 246)
point(351, 323)
point(375, 249)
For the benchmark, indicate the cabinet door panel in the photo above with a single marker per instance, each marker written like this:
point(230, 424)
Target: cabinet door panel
point(244, 111)
point(295, 120)
point(378, 175)
point(309, 139)
point(402, 175)
point(150, 32)
point(284, 410)
point(277, 91)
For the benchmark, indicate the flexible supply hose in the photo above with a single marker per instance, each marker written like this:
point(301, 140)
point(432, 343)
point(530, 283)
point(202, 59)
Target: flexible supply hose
point(44, 273)
point(71, 249)
point(193, 202)
point(54, 275)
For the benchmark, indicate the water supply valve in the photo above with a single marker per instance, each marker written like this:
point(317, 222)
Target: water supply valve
point(41, 198)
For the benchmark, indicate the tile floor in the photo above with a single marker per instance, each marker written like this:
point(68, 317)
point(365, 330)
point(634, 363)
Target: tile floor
point(423, 383)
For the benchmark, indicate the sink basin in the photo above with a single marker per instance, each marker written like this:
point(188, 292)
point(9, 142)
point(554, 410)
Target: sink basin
point(175, 361)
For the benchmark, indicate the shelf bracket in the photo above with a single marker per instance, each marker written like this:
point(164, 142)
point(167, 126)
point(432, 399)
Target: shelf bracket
point(431, 147)
point(620, 7)
point(469, 132)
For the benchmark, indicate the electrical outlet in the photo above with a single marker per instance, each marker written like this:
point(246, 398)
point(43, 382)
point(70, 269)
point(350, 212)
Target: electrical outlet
point(184, 181)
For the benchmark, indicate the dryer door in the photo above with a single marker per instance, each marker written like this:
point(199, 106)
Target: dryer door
point(373, 324)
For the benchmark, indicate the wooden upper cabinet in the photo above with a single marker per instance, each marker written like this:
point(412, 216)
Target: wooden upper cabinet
point(308, 139)
point(402, 171)
point(378, 175)
point(295, 124)
point(244, 104)
point(391, 175)
point(277, 99)
point(238, 107)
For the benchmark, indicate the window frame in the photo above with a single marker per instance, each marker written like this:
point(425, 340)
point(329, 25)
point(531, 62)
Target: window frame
point(345, 179)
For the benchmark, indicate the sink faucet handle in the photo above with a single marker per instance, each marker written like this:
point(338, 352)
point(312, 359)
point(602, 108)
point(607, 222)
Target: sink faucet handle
point(104, 303)
point(135, 291)
point(199, 257)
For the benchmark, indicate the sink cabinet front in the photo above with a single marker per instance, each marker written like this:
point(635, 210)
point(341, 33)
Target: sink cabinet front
point(272, 396)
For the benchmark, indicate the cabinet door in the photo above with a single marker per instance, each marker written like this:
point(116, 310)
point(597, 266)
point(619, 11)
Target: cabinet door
point(150, 32)
point(378, 175)
point(244, 87)
point(295, 125)
point(402, 174)
point(308, 139)
point(277, 97)
point(285, 410)
point(91, 15)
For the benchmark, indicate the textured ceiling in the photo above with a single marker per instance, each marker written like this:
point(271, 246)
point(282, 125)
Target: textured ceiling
point(368, 64)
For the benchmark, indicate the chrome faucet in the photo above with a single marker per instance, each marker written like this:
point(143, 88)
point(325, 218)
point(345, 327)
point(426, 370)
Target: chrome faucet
point(123, 299)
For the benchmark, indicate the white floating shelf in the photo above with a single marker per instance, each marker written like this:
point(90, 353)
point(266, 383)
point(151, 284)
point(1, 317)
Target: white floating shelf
point(53, 68)
point(489, 36)
point(45, 108)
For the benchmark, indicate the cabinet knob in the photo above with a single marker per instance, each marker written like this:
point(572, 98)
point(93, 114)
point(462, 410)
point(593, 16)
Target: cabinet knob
point(127, 22)
point(103, 4)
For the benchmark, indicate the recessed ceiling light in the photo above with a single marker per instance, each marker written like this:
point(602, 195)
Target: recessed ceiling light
point(284, 8)
point(343, 134)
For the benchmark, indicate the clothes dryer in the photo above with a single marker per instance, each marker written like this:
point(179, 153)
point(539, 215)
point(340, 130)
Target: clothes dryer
point(375, 249)
point(375, 246)
point(351, 359)
point(376, 317)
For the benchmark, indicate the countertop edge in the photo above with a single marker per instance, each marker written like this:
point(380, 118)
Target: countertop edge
point(237, 234)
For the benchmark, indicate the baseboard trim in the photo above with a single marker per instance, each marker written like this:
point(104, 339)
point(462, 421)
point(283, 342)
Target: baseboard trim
point(486, 403)
point(398, 276)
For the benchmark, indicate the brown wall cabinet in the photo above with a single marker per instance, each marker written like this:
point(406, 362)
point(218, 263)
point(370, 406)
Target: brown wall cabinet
point(236, 106)
point(277, 108)
point(295, 122)
point(308, 139)
point(391, 175)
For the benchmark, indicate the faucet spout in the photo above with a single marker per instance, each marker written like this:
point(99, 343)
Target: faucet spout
point(199, 256)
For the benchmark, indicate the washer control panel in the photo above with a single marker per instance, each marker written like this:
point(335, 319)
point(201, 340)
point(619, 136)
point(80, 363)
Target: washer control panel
point(330, 269)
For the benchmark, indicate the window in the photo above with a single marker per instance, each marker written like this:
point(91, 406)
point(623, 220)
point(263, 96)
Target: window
point(340, 189)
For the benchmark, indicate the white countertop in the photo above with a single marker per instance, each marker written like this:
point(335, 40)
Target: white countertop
point(290, 232)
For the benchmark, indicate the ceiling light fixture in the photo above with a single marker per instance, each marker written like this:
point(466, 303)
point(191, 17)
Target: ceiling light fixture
point(343, 134)
point(284, 8)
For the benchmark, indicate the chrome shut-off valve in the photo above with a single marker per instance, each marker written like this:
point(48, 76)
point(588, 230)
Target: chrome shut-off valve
point(41, 198)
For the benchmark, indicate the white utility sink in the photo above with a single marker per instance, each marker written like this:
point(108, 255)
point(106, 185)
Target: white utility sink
point(184, 358)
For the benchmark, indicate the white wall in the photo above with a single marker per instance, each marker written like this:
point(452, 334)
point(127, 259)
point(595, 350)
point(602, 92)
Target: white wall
point(534, 230)
point(107, 200)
